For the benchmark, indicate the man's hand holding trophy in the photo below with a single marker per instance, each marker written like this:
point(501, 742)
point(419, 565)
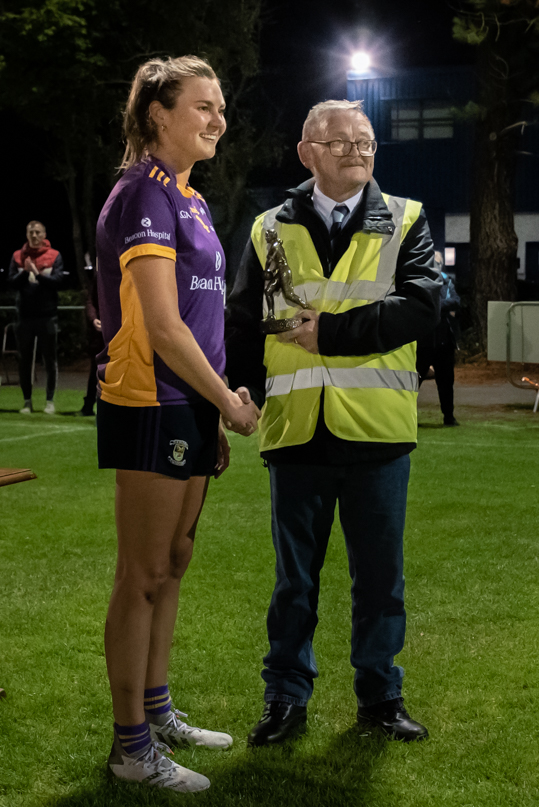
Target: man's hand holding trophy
point(302, 329)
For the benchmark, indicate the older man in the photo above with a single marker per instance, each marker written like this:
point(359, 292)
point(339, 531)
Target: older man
point(339, 420)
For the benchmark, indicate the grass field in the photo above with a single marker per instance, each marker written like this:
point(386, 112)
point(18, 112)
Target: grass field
point(471, 657)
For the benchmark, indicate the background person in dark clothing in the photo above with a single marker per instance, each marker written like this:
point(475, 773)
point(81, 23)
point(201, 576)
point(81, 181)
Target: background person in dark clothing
point(95, 346)
point(35, 273)
point(437, 350)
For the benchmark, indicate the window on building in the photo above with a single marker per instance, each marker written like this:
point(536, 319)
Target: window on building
point(420, 120)
point(450, 256)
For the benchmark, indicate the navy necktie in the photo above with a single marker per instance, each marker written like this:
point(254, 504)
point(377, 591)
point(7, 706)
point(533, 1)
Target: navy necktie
point(337, 214)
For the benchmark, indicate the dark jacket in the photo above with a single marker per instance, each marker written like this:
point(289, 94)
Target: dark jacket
point(39, 299)
point(403, 316)
point(447, 329)
point(91, 308)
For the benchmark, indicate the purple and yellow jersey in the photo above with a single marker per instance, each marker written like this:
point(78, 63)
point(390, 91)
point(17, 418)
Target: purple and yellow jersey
point(147, 213)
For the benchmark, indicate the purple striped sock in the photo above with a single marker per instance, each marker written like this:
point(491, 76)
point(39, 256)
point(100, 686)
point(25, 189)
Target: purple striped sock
point(135, 740)
point(157, 701)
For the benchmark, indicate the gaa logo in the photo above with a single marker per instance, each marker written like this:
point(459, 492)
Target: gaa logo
point(146, 222)
point(218, 261)
point(179, 447)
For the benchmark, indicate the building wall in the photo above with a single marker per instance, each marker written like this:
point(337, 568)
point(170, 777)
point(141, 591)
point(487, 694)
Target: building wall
point(457, 231)
point(437, 172)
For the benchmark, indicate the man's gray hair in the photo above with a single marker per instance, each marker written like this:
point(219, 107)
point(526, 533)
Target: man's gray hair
point(317, 118)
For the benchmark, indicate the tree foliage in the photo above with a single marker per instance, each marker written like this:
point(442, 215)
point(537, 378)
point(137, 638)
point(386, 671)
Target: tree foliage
point(66, 66)
point(506, 36)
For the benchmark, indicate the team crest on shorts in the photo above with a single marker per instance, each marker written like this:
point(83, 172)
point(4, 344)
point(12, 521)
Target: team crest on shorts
point(179, 447)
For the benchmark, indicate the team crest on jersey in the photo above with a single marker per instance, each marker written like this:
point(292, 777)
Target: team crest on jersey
point(218, 261)
point(146, 222)
point(179, 447)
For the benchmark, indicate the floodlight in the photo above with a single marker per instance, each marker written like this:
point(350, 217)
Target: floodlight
point(361, 62)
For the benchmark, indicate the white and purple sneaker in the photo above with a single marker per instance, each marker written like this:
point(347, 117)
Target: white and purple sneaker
point(153, 768)
point(174, 732)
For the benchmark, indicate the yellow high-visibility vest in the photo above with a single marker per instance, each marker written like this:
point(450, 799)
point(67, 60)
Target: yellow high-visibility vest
point(366, 398)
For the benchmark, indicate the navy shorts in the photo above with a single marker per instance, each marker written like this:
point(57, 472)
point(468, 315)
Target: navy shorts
point(179, 440)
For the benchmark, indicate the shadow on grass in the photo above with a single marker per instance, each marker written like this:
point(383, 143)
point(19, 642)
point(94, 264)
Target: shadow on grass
point(518, 407)
point(341, 773)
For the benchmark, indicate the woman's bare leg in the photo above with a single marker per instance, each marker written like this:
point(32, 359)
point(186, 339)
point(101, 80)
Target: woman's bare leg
point(166, 605)
point(148, 511)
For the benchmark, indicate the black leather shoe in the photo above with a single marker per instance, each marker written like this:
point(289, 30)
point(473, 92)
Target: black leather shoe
point(393, 719)
point(278, 723)
point(451, 421)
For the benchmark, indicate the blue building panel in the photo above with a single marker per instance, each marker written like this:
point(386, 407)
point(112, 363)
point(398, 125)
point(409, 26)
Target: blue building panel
point(435, 170)
point(527, 169)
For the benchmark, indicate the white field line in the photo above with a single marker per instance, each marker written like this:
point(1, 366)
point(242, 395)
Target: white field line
point(49, 433)
point(26, 427)
point(463, 447)
point(52, 430)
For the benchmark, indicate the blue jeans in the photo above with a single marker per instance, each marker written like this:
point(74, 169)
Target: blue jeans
point(372, 508)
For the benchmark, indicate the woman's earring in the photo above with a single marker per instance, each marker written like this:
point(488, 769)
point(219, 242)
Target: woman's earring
point(163, 127)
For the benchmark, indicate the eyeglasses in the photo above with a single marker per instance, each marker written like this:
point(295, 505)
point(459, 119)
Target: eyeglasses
point(342, 148)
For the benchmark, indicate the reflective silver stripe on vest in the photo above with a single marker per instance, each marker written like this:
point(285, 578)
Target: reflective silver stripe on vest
point(391, 246)
point(270, 219)
point(343, 378)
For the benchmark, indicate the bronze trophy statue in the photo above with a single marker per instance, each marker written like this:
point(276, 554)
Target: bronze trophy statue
point(278, 278)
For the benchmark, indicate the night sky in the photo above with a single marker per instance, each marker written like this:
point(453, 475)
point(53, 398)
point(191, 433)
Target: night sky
point(307, 44)
point(310, 41)
point(305, 53)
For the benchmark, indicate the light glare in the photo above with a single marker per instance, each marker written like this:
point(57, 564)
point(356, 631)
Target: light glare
point(361, 62)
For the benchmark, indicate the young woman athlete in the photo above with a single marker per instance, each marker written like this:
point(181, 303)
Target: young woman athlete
point(161, 394)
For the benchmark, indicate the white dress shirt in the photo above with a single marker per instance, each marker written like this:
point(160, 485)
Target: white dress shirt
point(324, 205)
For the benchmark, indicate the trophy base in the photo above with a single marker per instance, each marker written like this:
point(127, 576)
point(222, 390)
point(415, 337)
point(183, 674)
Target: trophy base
point(269, 326)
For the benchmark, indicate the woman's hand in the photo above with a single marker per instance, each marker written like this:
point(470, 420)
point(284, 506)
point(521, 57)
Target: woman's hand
point(223, 452)
point(240, 414)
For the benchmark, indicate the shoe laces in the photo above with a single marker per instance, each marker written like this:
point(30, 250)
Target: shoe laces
point(275, 707)
point(155, 755)
point(179, 725)
point(387, 709)
point(399, 706)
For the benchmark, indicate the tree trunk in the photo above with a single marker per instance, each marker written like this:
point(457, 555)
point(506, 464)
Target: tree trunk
point(493, 242)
